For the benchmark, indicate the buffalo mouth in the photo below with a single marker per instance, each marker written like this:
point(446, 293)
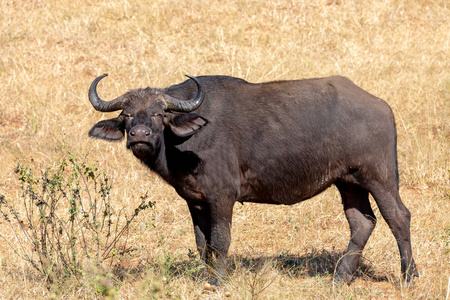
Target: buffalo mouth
point(141, 149)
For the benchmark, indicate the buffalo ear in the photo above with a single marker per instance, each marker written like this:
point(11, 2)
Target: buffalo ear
point(185, 125)
point(110, 130)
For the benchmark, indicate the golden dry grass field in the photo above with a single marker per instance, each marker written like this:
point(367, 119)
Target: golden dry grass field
point(398, 50)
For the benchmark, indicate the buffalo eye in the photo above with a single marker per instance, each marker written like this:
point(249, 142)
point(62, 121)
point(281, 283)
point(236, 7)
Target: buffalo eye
point(159, 115)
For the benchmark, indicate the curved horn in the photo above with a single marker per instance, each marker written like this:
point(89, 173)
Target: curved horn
point(99, 104)
point(188, 105)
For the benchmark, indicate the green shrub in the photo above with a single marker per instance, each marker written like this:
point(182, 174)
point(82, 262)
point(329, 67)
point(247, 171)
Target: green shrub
point(66, 221)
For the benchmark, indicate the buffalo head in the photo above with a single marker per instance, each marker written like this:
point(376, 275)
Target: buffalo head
point(148, 115)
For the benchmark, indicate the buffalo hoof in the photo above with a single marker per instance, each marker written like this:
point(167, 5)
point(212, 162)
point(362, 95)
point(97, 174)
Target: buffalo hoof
point(340, 279)
point(410, 278)
point(216, 282)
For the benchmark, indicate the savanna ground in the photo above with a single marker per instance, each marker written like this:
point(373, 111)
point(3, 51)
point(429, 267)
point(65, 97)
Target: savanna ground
point(399, 50)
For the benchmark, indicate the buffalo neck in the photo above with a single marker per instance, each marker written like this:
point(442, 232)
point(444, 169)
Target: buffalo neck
point(158, 163)
point(173, 164)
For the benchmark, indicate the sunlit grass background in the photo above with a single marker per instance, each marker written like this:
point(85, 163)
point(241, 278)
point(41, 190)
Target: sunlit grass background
point(398, 50)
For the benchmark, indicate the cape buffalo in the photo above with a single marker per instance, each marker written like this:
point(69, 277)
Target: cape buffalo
point(219, 139)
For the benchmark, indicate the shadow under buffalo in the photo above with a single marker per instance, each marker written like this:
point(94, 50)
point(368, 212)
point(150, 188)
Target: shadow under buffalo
point(315, 263)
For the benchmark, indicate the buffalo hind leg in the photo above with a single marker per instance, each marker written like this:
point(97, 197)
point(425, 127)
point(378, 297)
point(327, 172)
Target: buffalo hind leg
point(362, 222)
point(398, 218)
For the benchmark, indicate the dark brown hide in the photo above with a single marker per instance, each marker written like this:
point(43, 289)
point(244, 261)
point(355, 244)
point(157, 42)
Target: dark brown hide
point(276, 142)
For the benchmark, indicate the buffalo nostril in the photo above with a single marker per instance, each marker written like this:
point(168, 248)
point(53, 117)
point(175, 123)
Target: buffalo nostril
point(140, 131)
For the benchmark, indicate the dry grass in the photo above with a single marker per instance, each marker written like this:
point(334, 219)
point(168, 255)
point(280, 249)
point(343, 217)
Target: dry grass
point(399, 50)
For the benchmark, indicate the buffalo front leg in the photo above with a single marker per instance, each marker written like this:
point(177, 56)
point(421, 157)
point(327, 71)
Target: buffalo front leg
point(362, 221)
point(221, 217)
point(201, 218)
point(212, 226)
